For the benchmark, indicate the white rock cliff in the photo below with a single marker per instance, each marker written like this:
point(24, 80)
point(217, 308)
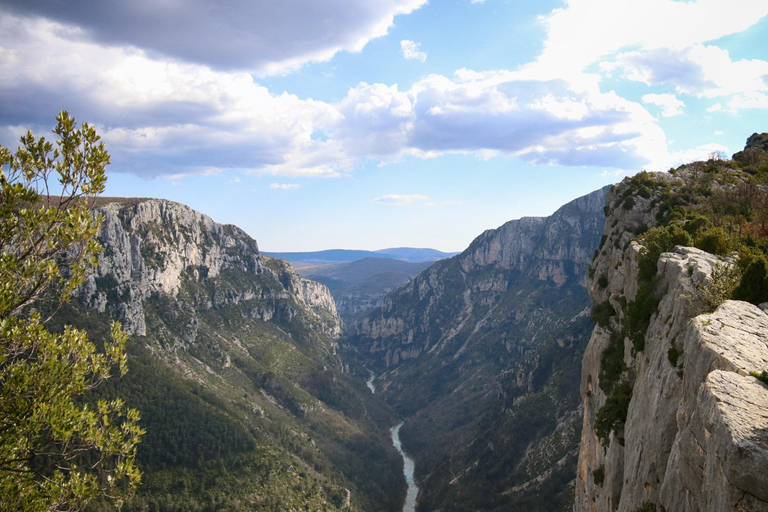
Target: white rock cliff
point(696, 433)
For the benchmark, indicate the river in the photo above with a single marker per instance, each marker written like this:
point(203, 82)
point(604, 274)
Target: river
point(408, 464)
point(408, 468)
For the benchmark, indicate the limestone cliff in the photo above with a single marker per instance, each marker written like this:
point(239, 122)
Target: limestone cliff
point(153, 246)
point(233, 365)
point(695, 433)
point(480, 354)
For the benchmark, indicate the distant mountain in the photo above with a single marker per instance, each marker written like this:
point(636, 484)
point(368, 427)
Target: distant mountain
point(347, 255)
point(415, 255)
point(358, 286)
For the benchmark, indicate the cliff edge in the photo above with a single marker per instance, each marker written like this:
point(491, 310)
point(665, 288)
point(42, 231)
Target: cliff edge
point(673, 420)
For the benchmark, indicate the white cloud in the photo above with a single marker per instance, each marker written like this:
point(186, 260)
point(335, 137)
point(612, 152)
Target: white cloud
point(284, 186)
point(718, 132)
point(705, 71)
point(410, 50)
point(671, 106)
point(157, 117)
point(270, 37)
point(586, 30)
point(703, 152)
point(500, 113)
point(400, 200)
point(749, 100)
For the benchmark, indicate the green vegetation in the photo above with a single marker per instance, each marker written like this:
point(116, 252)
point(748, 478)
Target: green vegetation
point(612, 365)
point(649, 506)
point(612, 416)
point(673, 354)
point(761, 376)
point(718, 206)
point(598, 475)
point(602, 313)
point(721, 286)
point(59, 449)
point(753, 286)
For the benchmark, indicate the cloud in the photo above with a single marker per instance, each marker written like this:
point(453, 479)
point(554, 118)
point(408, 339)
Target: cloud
point(400, 200)
point(159, 117)
point(585, 31)
point(669, 102)
point(705, 71)
point(284, 186)
point(499, 113)
point(410, 50)
point(264, 37)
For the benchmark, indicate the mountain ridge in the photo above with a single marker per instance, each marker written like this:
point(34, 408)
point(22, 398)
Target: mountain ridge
point(481, 344)
point(234, 366)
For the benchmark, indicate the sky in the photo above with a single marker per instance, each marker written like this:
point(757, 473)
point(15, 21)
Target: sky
point(364, 125)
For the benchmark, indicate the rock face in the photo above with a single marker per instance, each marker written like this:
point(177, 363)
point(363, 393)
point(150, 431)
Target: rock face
point(480, 354)
point(235, 370)
point(696, 432)
point(153, 246)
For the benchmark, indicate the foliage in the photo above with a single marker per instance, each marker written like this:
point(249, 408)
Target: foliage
point(655, 242)
point(673, 354)
point(649, 506)
point(762, 376)
point(720, 286)
point(613, 414)
point(601, 313)
point(598, 475)
point(754, 283)
point(714, 240)
point(57, 451)
point(612, 365)
point(639, 313)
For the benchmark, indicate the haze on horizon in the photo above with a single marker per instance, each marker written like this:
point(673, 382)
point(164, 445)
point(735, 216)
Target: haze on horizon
point(397, 123)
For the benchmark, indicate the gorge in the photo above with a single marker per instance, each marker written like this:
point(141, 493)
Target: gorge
point(512, 397)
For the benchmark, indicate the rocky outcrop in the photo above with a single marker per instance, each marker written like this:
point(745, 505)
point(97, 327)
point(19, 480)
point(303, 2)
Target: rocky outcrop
point(696, 430)
point(154, 247)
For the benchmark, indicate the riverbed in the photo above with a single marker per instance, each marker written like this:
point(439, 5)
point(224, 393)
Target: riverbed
point(408, 465)
point(408, 469)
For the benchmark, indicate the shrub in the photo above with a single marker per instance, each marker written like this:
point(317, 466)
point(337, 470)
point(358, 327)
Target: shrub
point(613, 414)
point(753, 286)
point(612, 365)
point(715, 241)
point(673, 354)
point(639, 313)
point(649, 506)
point(762, 376)
point(720, 286)
point(599, 475)
point(656, 241)
point(601, 313)
point(603, 282)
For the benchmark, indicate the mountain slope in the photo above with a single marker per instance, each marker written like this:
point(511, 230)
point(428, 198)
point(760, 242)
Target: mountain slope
point(480, 353)
point(233, 364)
